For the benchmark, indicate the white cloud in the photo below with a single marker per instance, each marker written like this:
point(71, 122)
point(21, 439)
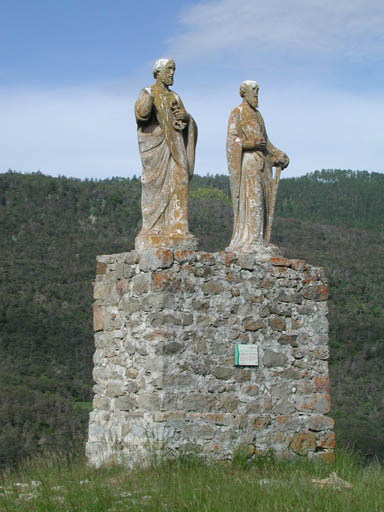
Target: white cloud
point(71, 132)
point(326, 129)
point(318, 129)
point(92, 133)
point(349, 28)
point(302, 53)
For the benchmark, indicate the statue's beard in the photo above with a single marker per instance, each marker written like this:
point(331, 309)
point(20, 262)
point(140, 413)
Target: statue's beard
point(254, 103)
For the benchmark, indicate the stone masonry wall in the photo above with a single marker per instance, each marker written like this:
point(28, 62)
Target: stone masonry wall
point(166, 323)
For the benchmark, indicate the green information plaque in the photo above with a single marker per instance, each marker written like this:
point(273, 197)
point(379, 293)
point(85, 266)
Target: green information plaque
point(246, 355)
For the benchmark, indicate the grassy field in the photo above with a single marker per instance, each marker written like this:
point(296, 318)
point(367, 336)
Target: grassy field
point(57, 484)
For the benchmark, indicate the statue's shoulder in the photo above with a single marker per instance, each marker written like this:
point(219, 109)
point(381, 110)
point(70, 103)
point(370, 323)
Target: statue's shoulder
point(237, 110)
point(147, 91)
point(236, 113)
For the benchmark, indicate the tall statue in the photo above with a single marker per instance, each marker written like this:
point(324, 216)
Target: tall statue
point(167, 140)
point(251, 156)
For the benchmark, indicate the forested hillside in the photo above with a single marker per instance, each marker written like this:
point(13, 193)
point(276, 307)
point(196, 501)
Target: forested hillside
point(51, 230)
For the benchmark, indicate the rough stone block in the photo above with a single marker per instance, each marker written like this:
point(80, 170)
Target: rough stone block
point(101, 403)
point(98, 319)
point(303, 443)
point(115, 389)
point(221, 372)
point(198, 402)
point(299, 265)
point(281, 262)
point(254, 407)
point(167, 281)
point(318, 402)
point(122, 286)
point(102, 290)
point(131, 258)
point(288, 339)
point(125, 403)
point(252, 390)
point(228, 403)
point(278, 323)
point(226, 258)
point(166, 325)
point(319, 422)
point(187, 319)
point(185, 256)
point(213, 287)
point(327, 441)
point(284, 407)
point(273, 359)
point(206, 257)
point(149, 401)
point(289, 296)
point(251, 324)
point(101, 267)
point(141, 284)
point(316, 292)
point(321, 383)
point(246, 261)
point(260, 422)
point(169, 348)
point(153, 259)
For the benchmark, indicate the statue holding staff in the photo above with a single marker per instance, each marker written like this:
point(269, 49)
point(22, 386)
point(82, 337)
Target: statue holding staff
point(167, 137)
point(250, 157)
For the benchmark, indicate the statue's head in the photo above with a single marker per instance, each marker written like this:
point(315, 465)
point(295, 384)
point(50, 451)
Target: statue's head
point(164, 70)
point(249, 90)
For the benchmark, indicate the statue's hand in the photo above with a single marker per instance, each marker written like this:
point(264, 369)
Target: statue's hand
point(178, 114)
point(281, 160)
point(260, 143)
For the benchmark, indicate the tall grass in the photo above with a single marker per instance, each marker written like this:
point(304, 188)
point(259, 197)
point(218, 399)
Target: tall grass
point(57, 483)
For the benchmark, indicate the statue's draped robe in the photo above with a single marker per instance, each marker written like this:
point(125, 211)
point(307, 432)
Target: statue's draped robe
point(250, 172)
point(168, 159)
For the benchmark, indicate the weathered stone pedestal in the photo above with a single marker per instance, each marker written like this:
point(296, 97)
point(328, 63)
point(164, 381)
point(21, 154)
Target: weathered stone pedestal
point(166, 324)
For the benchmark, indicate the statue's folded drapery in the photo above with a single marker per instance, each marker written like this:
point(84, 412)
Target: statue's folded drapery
point(167, 151)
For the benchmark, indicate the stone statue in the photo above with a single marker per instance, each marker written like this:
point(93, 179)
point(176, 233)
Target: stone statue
point(167, 139)
point(250, 157)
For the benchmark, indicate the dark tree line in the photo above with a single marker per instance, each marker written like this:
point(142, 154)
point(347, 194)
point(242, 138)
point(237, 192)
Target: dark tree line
point(51, 230)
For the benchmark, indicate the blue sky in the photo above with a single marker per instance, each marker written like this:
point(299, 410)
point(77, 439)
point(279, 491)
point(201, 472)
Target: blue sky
point(70, 72)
